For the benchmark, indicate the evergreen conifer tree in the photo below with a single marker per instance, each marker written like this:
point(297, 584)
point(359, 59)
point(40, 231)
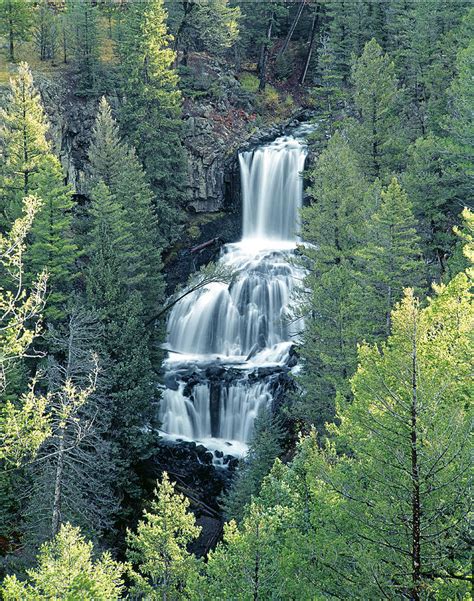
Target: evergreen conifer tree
point(66, 570)
point(158, 550)
point(333, 228)
point(110, 292)
point(379, 137)
point(390, 261)
point(115, 163)
point(30, 167)
point(83, 24)
point(16, 18)
point(150, 115)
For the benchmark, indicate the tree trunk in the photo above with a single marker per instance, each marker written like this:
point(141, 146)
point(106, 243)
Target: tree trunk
point(264, 55)
point(292, 29)
point(11, 35)
point(256, 583)
point(311, 45)
point(415, 477)
point(58, 484)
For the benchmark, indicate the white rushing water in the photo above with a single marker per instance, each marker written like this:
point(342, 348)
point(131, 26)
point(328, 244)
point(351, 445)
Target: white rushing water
point(230, 343)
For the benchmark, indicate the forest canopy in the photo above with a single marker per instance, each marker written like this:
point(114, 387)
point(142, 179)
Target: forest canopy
point(121, 123)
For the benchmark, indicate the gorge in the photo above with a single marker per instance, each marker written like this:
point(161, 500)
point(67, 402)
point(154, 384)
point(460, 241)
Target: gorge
point(230, 344)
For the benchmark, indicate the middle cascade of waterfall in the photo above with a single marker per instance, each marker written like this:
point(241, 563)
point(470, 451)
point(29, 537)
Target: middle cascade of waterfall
point(231, 344)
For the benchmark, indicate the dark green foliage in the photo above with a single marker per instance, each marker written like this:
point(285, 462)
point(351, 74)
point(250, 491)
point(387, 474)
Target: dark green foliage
point(211, 26)
point(390, 259)
point(115, 164)
point(150, 115)
point(333, 223)
point(264, 448)
point(110, 292)
point(83, 26)
point(379, 135)
point(16, 19)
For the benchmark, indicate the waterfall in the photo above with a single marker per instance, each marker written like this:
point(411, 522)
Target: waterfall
point(231, 344)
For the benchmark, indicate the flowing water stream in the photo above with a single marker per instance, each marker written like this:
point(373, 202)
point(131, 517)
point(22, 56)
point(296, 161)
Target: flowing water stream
point(231, 344)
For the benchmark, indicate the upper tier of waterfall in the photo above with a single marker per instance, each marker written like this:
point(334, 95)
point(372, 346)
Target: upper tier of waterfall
point(222, 336)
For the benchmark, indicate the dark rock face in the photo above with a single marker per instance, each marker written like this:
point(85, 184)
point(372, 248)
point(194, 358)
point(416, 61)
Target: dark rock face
point(190, 466)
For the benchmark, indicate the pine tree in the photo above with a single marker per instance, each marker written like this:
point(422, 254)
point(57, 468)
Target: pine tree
point(16, 17)
point(332, 226)
point(66, 570)
point(391, 260)
point(423, 38)
point(264, 448)
point(246, 564)
point(158, 550)
point(115, 163)
point(153, 105)
point(109, 282)
point(406, 430)
point(30, 167)
point(83, 24)
point(23, 127)
point(379, 138)
point(203, 26)
point(45, 31)
point(460, 124)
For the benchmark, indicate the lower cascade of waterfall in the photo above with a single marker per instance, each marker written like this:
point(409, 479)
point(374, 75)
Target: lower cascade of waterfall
point(231, 344)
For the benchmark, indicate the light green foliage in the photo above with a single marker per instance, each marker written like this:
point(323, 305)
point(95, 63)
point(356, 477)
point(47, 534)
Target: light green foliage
point(30, 167)
point(463, 255)
point(390, 261)
point(249, 82)
point(23, 425)
point(407, 427)
point(158, 550)
point(379, 137)
point(16, 17)
point(245, 565)
point(150, 115)
point(332, 226)
point(26, 152)
point(66, 570)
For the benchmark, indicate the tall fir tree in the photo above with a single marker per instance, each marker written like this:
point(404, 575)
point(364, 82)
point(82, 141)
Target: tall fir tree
point(116, 164)
point(84, 26)
point(390, 261)
point(332, 226)
point(151, 112)
point(30, 167)
point(404, 486)
point(109, 282)
point(16, 19)
point(379, 136)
